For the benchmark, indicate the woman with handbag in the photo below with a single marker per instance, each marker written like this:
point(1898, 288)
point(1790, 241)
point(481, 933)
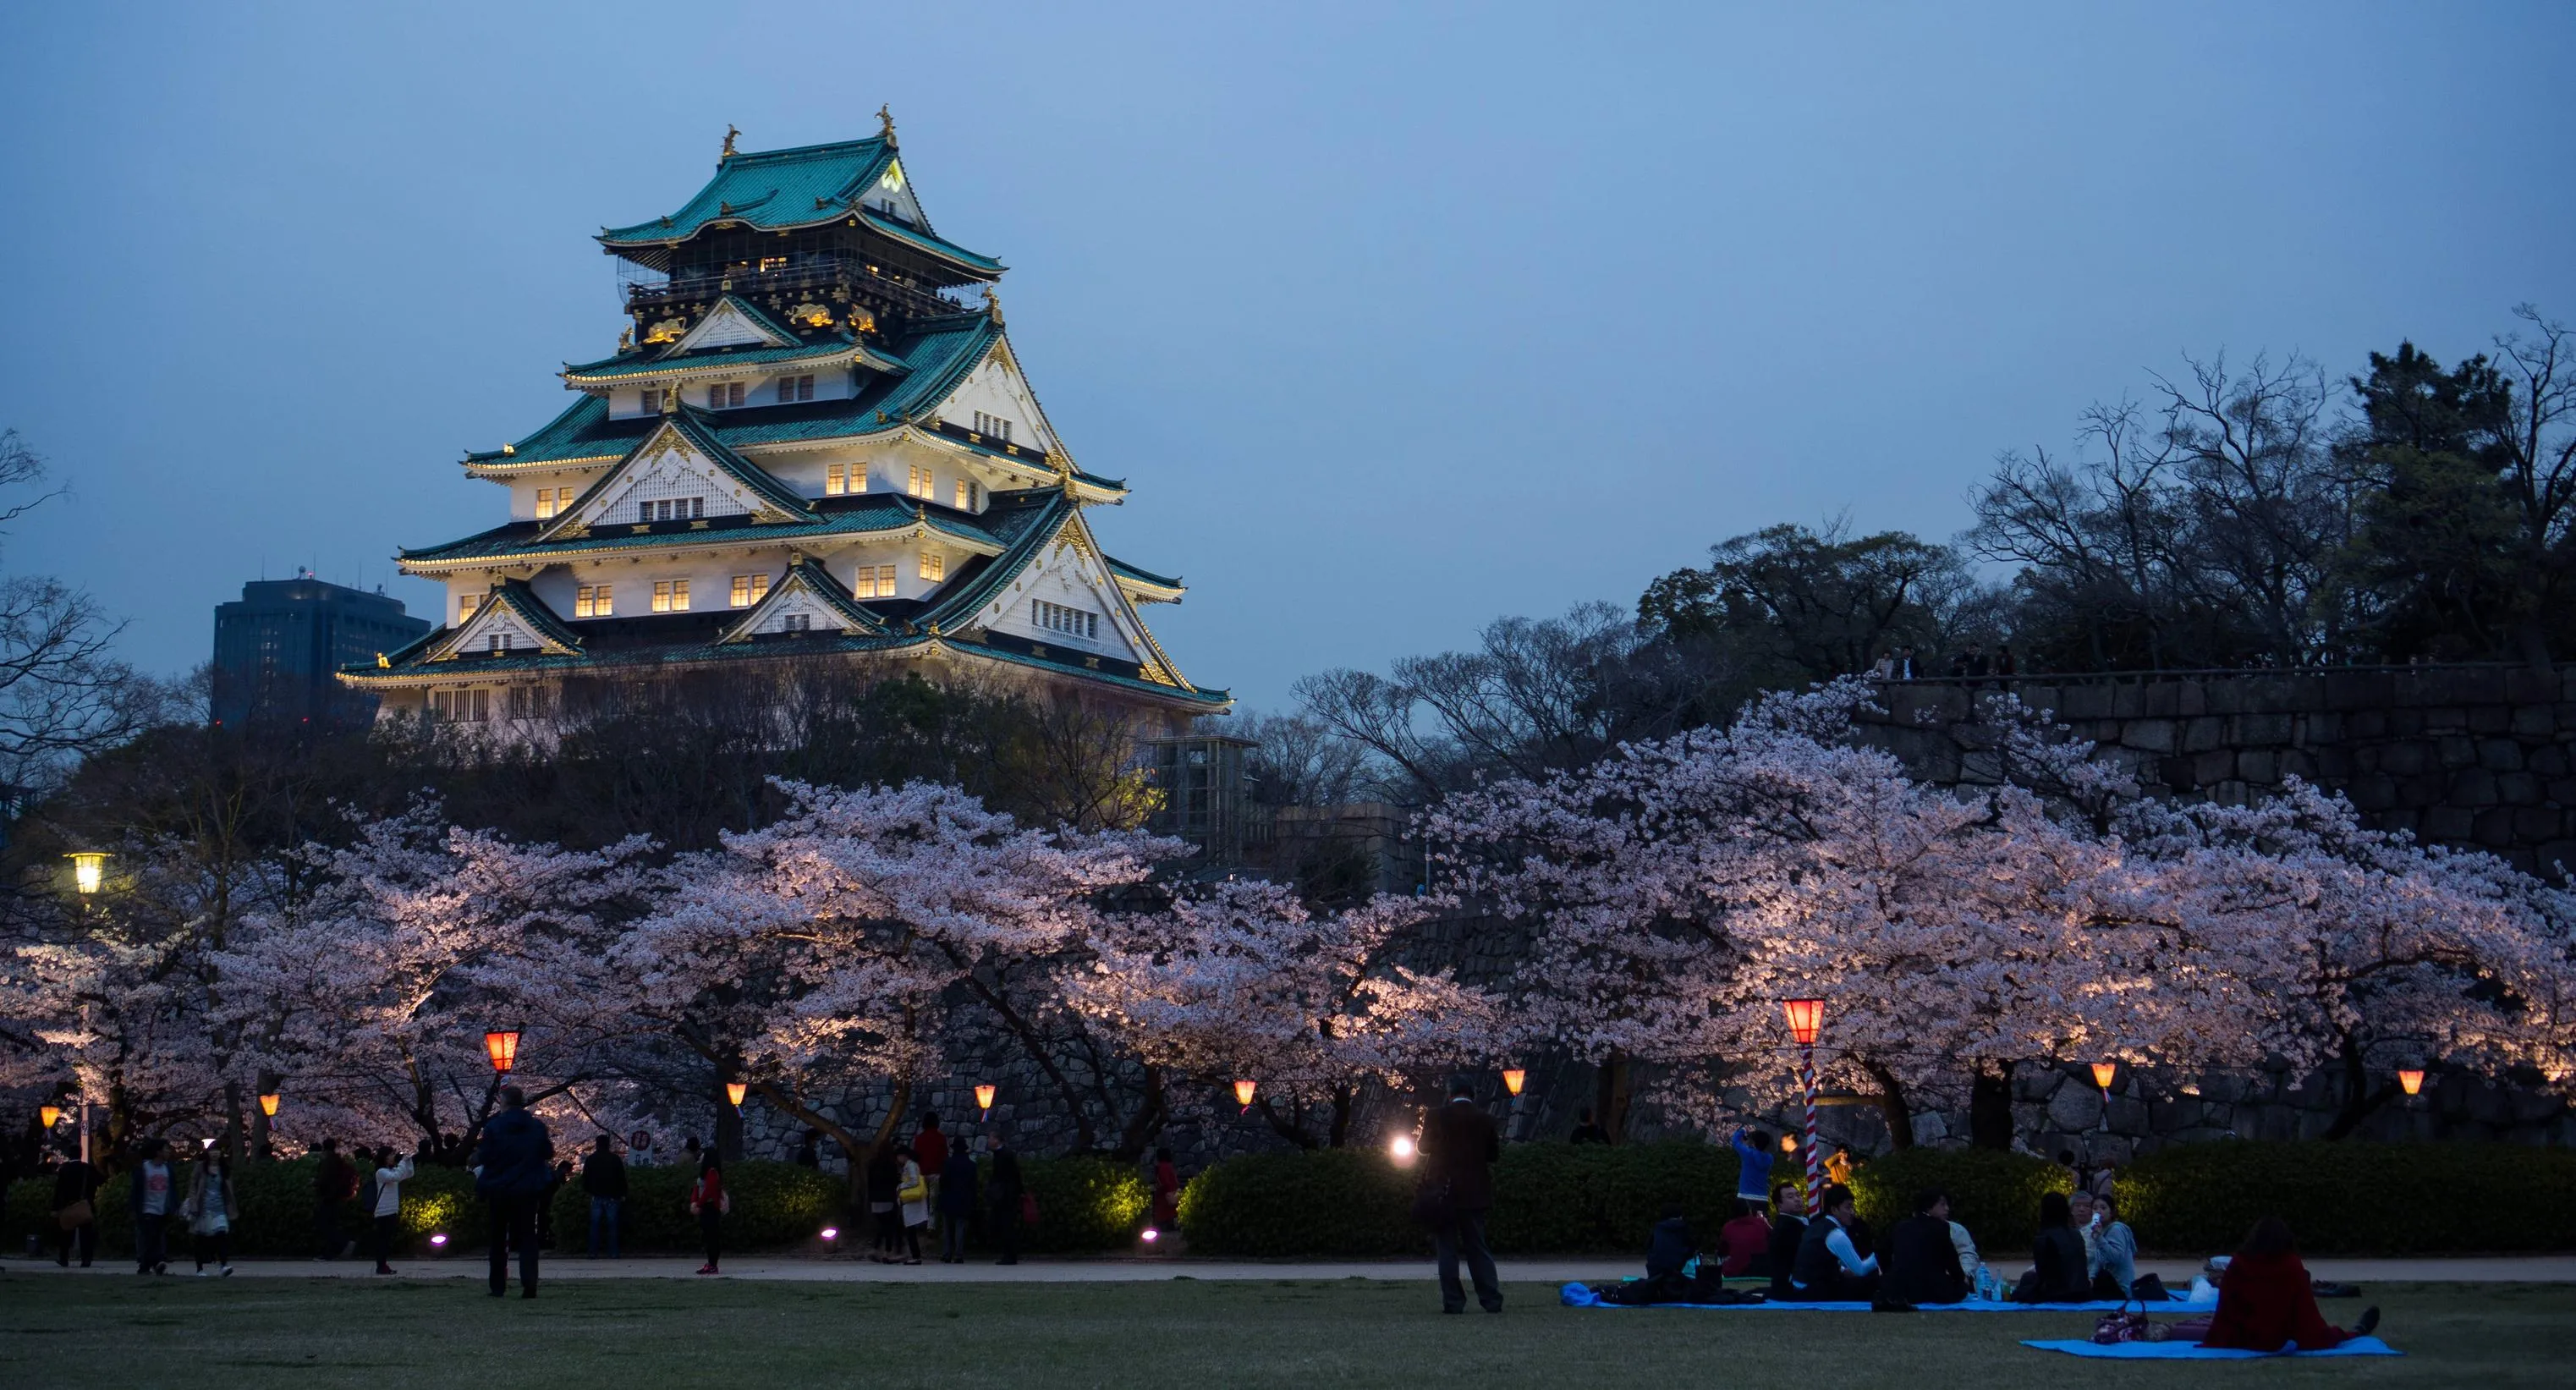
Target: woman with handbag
point(210, 1208)
point(2267, 1300)
point(912, 1194)
point(709, 1200)
point(75, 1212)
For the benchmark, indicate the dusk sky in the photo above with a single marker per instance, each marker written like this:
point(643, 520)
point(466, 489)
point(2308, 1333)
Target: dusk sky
point(1396, 317)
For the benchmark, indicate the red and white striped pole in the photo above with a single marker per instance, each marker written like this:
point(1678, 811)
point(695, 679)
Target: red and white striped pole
point(1815, 1158)
point(1806, 1019)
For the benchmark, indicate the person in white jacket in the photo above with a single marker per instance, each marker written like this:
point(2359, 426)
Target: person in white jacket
point(390, 1176)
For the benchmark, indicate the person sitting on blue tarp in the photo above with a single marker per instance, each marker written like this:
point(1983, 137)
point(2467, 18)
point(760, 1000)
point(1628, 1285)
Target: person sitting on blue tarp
point(1829, 1268)
point(1672, 1245)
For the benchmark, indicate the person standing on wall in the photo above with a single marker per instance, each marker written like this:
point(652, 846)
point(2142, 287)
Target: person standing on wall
point(517, 1162)
point(1459, 1147)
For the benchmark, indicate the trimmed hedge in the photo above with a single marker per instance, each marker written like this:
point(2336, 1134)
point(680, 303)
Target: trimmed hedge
point(775, 1204)
point(1993, 1193)
point(1547, 1197)
point(1085, 1202)
point(2352, 1198)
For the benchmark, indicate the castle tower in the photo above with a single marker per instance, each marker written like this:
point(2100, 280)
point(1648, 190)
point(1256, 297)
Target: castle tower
point(808, 442)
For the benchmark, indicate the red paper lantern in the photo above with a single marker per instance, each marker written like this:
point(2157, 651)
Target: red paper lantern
point(1806, 1019)
point(502, 1046)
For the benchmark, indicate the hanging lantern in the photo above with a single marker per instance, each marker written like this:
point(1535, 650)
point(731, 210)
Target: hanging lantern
point(1514, 1078)
point(502, 1046)
point(49, 1114)
point(735, 1091)
point(268, 1103)
point(2104, 1073)
point(1243, 1094)
point(2412, 1078)
point(984, 1097)
point(89, 870)
point(1806, 1017)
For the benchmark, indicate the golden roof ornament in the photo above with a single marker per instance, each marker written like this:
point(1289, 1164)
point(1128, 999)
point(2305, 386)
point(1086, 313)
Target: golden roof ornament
point(730, 134)
point(670, 400)
point(885, 123)
point(626, 339)
point(993, 303)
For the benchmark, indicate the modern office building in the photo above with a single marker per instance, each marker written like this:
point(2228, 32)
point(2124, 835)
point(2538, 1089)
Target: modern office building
point(278, 649)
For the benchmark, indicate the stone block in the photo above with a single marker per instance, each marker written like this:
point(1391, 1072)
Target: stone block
point(2534, 721)
point(2365, 723)
point(2085, 702)
point(2518, 789)
point(2161, 700)
point(2456, 750)
point(2475, 787)
point(2176, 773)
point(2213, 767)
point(2126, 702)
point(2404, 723)
point(2403, 759)
point(2372, 792)
point(2562, 791)
point(2429, 789)
point(2557, 857)
point(2260, 766)
point(2526, 686)
point(2223, 697)
point(2191, 698)
point(2405, 818)
point(2494, 828)
point(2533, 824)
point(2149, 735)
point(2549, 760)
point(2319, 726)
point(2202, 734)
point(2075, 1108)
point(2450, 825)
point(2322, 765)
point(2262, 730)
point(2490, 719)
point(2444, 719)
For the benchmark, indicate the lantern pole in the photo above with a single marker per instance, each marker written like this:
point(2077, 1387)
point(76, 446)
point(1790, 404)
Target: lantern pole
point(1806, 1019)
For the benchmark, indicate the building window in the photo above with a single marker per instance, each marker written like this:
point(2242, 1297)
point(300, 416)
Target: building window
point(970, 495)
point(795, 388)
point(498, 644)
point(873, 581)
point(670, 596)
point(797, 622)
point(671, 509)
point(1077, 622)
point(651, 400)
point(749, 589)
point(922, 484)
point(724, 394)
point(934, 566)
point(591, 601)
point(770, 265)
point(461, 706)
point(993, 427)
point(850, 478)
point(466, 607)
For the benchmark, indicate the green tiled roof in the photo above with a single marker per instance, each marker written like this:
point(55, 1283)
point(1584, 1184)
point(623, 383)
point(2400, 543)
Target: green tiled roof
point(1003, 523)
point(651, 363)
point(1142, 576)
point(937, 353)
point(774, 190)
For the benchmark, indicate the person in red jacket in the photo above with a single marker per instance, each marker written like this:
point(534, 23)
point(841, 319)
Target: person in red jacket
point(707, 1199)
point(2264, 1301)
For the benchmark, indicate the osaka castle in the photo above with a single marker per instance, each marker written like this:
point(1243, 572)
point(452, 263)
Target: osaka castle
point(809, 442)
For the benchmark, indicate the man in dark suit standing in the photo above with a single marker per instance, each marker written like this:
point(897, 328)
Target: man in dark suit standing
point(1459, 1147)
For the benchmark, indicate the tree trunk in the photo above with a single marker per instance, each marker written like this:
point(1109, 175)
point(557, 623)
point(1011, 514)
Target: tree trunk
point(2359, 1101)
point(1290, 1130)
point(1990, 1117)
point(1614, 1086)
point(1343, 1096)
point(1147, 1122)
point(1893, 1105)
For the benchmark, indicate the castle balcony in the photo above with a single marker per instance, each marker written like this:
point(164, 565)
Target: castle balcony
point(804, 275)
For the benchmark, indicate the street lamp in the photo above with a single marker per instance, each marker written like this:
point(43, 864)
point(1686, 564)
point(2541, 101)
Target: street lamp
point(984, 1094)
point(502, 1046)
point(735, 1091)
point(49, 1114)
point(89, 870)
point(2411, 1079)
point(1806, 1020)
point(2104, 1073)
point(1513, 1079)
point(1243, 1095)
point(268, 1104)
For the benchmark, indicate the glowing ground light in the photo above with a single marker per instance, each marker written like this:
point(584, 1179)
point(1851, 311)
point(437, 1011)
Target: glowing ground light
point(1401, 1147)
point(831, 1233)
point(1152, 1235)
point(437, 1240)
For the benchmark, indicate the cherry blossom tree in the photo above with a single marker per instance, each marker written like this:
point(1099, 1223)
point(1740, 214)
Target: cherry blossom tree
point(1241, 981)
point(826, 950)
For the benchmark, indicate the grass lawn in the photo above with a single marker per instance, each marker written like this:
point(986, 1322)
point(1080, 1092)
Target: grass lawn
point(207, 1334)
